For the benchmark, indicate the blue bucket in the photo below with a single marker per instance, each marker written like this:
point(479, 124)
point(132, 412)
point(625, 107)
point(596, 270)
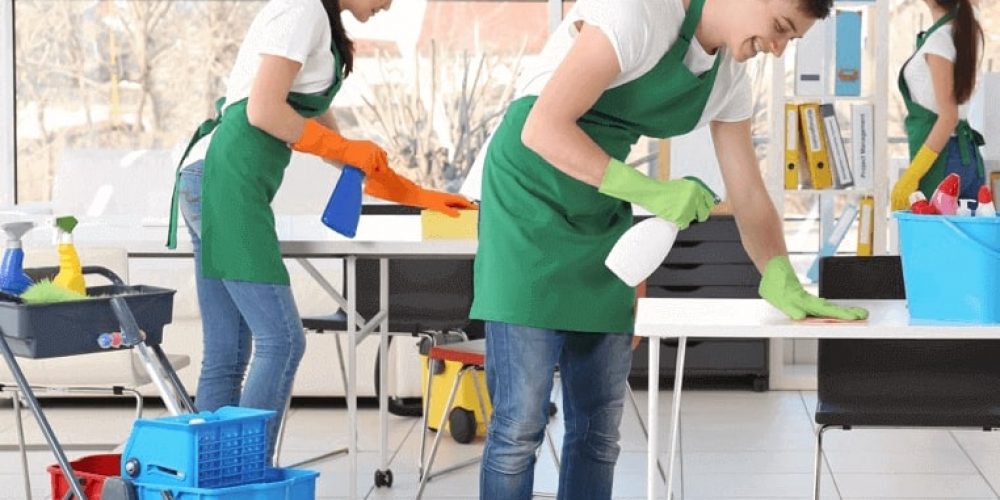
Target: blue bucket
point(951, 267)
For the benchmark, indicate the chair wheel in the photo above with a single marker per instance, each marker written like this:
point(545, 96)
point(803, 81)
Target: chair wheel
point(463, 425)
point(383, 478)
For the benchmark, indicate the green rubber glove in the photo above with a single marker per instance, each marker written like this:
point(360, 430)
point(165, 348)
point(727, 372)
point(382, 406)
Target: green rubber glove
point(781, 288)
point(680, 201)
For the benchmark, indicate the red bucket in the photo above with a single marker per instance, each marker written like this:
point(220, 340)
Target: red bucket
point(92, 470)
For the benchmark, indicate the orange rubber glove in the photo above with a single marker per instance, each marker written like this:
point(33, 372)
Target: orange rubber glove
point(390, 186)
point(325, 143)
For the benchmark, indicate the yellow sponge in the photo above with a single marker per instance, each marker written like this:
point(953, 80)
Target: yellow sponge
point(438, 226)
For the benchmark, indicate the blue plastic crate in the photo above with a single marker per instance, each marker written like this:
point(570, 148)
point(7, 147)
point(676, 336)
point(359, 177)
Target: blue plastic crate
point(951, 267)
point(277, 484)
point(203, 450)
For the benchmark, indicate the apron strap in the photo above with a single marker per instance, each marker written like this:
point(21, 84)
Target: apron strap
point(204, 129)
point(967, 137)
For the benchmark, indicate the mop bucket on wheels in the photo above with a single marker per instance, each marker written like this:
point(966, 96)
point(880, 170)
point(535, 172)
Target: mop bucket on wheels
point(207, 456)
point(951, 267)
point(91, 472)
point(218, 449)
point(277, 484)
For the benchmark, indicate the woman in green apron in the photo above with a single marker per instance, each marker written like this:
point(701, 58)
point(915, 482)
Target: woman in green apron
point(290, 65)
point(936, 83)
point(556, 196)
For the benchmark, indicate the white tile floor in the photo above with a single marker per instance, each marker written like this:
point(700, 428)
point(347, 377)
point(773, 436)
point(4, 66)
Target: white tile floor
point(736, 445)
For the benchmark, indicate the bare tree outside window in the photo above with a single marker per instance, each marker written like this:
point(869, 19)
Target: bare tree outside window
point(141, 74)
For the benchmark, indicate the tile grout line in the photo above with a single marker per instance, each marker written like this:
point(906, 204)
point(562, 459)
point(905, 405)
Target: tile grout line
point(974, 464)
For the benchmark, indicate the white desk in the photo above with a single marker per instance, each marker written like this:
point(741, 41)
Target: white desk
point(304, 238)
point(753, 318)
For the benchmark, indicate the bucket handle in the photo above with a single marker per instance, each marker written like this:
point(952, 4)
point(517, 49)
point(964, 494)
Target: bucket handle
point(951, 225)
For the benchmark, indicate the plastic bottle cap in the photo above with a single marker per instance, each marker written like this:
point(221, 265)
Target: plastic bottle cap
point(984, 195)
point(950, 184)
point(917, 196)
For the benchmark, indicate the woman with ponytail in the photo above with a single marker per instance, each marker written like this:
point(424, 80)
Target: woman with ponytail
point(936, 84)
point(292, 62)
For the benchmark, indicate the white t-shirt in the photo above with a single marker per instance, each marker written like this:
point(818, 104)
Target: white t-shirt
point(294, 29)
point(918, 73)
point(641, 32)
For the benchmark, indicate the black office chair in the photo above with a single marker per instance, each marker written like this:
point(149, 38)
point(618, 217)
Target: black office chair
point(898, 383)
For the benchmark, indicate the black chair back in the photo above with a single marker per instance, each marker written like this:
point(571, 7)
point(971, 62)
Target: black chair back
point(900, 382)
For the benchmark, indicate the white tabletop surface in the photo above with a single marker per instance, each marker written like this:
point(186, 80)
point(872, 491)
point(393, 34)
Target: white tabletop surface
point(754, 318)
point(300, 236)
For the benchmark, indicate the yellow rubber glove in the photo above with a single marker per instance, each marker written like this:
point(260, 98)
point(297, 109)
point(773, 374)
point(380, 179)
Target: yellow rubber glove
point(910, 180)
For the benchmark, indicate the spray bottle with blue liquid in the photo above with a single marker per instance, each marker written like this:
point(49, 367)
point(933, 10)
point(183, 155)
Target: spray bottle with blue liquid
point(343, 210)
point(13, 280)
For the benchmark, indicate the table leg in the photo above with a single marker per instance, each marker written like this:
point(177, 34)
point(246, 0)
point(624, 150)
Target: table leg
point(384, 477)
point(652, 416)
point(352, 374)
point(50, 436)
point(675, 416)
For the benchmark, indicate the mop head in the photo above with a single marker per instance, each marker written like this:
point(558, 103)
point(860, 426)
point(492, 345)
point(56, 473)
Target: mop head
point(47, 292)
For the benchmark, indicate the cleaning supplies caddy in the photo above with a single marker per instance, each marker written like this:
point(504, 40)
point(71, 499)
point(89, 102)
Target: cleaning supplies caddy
point(12, 278)
point(70, 274)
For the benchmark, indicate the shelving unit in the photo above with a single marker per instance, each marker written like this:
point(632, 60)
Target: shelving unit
point(792, 364)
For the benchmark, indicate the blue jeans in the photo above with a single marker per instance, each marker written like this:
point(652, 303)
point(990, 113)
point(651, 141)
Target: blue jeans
point(520, 362)
point(238, 318)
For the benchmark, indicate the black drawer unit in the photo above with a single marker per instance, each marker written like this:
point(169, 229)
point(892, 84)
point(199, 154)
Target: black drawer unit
point(707, 261)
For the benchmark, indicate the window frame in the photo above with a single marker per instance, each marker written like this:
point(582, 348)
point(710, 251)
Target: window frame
point(8, 147)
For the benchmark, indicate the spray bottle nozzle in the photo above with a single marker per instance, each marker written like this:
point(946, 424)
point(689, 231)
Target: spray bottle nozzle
point(66, 223)
point(13, 281)
point(702, 184)
point(15, 230)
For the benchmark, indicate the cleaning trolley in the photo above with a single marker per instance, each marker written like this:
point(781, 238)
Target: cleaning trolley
point(38, 331)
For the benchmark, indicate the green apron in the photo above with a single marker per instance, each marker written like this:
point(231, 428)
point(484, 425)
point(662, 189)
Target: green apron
point(920, 120)
point(543, 235)
point(244, 167)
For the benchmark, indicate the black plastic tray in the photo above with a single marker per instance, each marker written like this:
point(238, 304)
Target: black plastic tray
point(71, 328)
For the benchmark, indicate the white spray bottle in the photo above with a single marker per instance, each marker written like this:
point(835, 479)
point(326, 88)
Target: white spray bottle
point(644, 246)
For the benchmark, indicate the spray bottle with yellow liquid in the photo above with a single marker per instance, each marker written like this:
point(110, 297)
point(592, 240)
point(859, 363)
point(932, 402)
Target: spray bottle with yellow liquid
point(70, 274)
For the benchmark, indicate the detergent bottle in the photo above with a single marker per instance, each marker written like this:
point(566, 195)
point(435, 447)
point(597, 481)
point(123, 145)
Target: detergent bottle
point(945, 197)
point(920, 205)
point(70, 274)
point(12, 278)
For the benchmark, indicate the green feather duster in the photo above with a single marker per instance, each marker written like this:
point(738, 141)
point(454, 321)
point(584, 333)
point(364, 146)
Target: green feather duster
point(47, 292)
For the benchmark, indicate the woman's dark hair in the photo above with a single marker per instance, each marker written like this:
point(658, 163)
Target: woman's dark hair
point(345, 46)
point(966, 33)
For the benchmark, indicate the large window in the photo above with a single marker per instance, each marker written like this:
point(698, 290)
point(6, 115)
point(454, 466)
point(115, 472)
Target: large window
point(118, 75)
